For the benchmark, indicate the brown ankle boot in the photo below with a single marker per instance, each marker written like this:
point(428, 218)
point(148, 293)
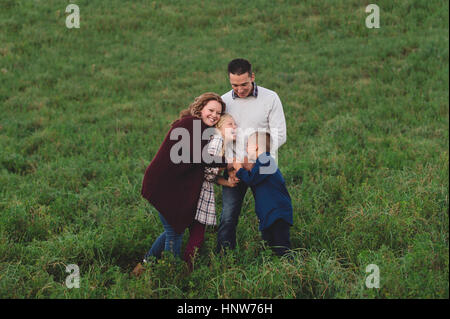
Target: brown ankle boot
point(138, 270)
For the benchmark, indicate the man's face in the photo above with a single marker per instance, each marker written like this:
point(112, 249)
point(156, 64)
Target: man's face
point(242, 84)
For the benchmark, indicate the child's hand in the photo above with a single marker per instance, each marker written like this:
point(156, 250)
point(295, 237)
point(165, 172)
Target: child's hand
point(232, 175)
point(232, 182)
point(230, 162)
point(247, 165)
point(237, 166)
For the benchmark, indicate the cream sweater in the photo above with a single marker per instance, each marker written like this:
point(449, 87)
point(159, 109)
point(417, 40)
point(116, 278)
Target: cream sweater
point(264, 112)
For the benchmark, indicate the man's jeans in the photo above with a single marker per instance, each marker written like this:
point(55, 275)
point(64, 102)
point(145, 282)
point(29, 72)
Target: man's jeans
point(232, 198)
point(169, 240)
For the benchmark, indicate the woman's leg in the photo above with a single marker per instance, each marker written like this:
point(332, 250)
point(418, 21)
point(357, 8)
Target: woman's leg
point(168, 240)
point(173, 239)
point(157, 247)
point(196, 238)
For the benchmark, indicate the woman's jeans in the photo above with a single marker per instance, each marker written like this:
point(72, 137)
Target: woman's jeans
point(169, 240)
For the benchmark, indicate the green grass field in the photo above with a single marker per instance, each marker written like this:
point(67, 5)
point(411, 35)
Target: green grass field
point(83, 112)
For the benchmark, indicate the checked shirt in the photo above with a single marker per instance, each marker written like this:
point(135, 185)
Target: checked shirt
point(206, 206)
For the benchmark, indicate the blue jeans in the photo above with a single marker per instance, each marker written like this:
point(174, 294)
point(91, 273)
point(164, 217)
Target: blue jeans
point(232, 198)
point(169, 240)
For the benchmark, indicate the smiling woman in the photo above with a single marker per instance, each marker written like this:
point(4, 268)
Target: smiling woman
point(174, 188)
point(208, 104)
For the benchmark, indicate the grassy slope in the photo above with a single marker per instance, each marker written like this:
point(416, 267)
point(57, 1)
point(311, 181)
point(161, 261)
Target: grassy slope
point(366, 161)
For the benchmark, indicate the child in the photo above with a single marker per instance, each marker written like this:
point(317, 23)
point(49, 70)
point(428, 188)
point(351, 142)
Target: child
point(206, 211)
point(272, 201)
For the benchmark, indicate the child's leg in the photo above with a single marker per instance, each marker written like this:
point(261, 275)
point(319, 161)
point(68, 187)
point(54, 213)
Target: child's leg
point(281, 237)
point(278, 237)
point(196, 238)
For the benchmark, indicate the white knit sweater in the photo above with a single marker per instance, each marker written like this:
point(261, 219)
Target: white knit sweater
point(264, 112)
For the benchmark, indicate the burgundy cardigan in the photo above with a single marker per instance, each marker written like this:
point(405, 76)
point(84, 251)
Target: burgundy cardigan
point(174, 189)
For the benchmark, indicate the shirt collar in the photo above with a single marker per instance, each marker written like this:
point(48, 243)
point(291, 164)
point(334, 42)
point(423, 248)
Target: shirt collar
point(254, 92)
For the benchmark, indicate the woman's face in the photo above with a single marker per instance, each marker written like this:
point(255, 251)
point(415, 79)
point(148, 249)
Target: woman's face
point(211, 112)
point(228, 129)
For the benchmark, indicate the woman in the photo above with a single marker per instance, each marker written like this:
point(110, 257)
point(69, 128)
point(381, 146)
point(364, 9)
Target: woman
point(173, 187)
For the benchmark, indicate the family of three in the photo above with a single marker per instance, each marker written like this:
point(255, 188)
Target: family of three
point(182, 192)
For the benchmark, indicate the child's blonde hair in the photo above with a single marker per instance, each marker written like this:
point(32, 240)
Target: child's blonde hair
point(219, 125)
point(222, 119)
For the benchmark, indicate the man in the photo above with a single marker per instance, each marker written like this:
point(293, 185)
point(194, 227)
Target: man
point(253, 108)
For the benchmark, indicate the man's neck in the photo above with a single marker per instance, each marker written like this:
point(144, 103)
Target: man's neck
point(251, 91)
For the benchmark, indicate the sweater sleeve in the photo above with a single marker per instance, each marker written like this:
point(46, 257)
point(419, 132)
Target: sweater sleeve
point(253, 177)
point(277, 124)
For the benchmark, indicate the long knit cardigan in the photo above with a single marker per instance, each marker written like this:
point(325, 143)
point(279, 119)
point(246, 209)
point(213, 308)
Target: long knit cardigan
point(174, 188)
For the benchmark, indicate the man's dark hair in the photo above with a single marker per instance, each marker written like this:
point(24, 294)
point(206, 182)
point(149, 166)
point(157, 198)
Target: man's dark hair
point(240, 66)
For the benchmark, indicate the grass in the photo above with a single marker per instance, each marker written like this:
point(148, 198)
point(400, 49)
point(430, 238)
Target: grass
point(83, 111)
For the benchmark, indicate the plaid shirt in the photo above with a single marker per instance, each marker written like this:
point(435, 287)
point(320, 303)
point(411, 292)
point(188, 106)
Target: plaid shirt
point(206, 206)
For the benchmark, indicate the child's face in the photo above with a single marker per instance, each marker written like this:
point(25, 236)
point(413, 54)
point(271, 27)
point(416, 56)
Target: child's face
point(211, 112)
point(228, 129)
point(252, 151)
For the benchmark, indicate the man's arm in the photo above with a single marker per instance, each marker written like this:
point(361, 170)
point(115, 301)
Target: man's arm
point(277, 124)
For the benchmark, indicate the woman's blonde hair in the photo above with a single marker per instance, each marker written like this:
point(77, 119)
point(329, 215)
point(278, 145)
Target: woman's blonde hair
point(199, 103)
